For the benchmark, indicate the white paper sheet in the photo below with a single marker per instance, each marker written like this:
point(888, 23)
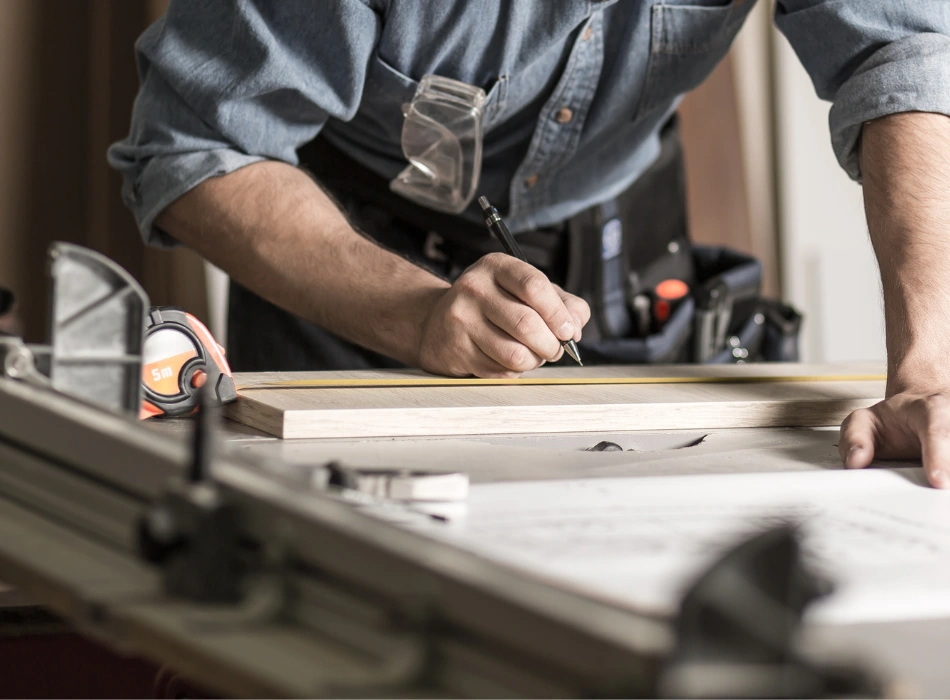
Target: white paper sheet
point(881, 535)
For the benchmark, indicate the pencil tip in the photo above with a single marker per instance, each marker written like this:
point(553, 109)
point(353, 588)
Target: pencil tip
point(570, 347)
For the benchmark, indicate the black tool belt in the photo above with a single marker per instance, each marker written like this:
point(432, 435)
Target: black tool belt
point(615, 255)
point(443, 243)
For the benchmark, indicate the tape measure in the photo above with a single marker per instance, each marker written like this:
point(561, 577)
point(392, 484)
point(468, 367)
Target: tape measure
point(394, 484)
point(410, 382)
point(180, 356)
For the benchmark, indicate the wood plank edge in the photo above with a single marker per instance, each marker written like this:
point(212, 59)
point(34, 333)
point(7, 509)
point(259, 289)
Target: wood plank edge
point(429, 422)
point(256, 414)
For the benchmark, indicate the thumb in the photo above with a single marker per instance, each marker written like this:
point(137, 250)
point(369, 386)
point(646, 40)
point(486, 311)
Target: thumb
point(857, 439)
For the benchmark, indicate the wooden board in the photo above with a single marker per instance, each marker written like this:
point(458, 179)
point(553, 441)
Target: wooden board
point(488, 410)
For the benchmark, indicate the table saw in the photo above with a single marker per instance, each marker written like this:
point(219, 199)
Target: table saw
point(323, 599)
point(259, 566)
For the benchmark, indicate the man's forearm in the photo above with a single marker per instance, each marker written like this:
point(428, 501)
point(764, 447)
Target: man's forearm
point(277, 233)
point(905, 160)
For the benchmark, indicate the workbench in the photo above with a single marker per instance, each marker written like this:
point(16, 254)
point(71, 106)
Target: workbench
point(909, 652)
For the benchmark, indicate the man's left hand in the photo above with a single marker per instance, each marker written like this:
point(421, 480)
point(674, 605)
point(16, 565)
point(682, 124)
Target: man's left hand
point(908, 425)
point(906, 176)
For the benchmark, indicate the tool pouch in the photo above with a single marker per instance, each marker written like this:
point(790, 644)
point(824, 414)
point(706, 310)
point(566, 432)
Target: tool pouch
point(759, 329)
point(626, 246)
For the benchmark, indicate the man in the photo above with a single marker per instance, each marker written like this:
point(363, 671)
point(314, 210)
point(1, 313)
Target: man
point(577, 93)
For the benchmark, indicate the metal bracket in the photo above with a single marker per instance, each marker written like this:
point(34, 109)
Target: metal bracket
point(193, 532)
point(194, 536)
point(18, 361)
point(739, 623)
point(97, 324)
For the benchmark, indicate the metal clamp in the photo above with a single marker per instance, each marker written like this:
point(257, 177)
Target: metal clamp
point(17, 361)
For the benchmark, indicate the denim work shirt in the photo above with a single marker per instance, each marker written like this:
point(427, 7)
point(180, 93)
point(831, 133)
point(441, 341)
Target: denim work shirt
point(576, 89)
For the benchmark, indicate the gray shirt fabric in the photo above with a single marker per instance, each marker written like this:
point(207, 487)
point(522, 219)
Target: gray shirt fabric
point(226, 83)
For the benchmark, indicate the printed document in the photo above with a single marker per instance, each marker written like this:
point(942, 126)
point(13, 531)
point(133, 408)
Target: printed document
point(882, 536)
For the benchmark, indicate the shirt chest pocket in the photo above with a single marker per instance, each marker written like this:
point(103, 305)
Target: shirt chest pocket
point(386, 92)
point(686, 43)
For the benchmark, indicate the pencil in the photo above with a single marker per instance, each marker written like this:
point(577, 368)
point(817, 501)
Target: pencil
point(497, 226)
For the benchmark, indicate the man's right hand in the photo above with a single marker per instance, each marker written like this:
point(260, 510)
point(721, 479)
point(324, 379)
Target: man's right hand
point(502, 317)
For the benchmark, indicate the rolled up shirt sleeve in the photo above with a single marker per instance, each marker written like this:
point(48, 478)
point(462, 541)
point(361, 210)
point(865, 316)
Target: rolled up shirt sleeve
point(227, 83)
point(871, 58)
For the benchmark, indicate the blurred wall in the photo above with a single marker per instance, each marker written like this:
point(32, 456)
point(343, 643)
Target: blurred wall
point(67, 82)
point(728, 139)
point(829, 269)
point(754, 95)
point(16, 20)
point(42, 169)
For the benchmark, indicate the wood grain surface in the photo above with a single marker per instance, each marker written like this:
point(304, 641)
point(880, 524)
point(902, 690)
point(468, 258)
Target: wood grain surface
point(487, 410)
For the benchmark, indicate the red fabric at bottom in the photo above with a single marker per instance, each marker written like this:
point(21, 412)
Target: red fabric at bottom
point(69, 666)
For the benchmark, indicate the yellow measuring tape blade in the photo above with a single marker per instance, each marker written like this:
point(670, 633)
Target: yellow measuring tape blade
point(410, 382)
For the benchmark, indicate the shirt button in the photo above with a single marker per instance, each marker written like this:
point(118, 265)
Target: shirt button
point(531, 181)
point(587, 34)
point(563, 116)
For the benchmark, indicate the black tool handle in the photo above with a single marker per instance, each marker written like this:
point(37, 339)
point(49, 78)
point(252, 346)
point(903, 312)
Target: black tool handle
point(7, 298)
point(497, 226)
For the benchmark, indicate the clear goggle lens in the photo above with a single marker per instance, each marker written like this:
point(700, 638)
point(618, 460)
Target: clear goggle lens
point(442, 140)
